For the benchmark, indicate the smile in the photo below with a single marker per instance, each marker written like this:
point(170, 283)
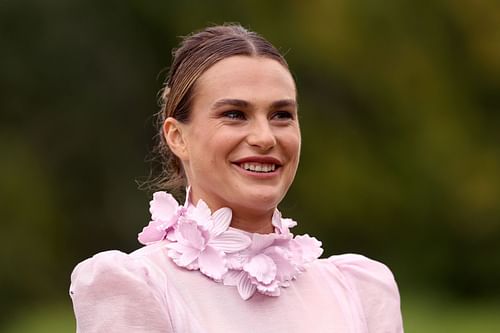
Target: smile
point(258, 167)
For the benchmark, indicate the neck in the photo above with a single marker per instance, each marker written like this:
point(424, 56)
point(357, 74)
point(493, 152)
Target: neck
point(244, 219)
point(261, 223)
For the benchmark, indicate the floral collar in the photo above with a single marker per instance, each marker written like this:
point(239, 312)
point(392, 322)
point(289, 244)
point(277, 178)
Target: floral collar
point(198, 239)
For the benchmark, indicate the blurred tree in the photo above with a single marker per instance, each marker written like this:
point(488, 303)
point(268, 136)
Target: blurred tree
point(399, 109)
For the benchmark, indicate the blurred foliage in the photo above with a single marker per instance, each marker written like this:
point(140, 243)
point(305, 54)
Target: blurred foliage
point(400, 114)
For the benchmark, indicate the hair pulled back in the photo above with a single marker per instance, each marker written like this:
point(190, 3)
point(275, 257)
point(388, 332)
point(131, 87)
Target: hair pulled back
point(197, 53)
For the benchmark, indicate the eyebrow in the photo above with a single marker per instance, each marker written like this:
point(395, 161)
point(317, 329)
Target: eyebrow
point(244, 104)
point(231, 102)
point(284, 103)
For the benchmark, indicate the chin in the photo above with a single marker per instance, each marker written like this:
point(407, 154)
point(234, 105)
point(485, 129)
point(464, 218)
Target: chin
point(262, 200)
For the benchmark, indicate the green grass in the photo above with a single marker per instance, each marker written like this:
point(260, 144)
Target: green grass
point(50, 318)
point(433, 314)
point(421, 313)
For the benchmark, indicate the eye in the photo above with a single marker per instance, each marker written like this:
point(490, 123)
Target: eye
point(282, 115)
point(234, 114)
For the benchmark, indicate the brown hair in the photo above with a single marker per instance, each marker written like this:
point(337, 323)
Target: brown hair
point(195, 54)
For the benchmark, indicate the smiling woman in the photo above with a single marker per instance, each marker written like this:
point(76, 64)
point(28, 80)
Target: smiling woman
point(225, 260)
point(240, 147)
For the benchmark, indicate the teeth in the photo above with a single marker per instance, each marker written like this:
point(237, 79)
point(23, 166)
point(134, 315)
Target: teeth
point(258, 167)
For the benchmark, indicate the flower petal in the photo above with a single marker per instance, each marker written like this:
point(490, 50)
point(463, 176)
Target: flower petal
point(231, 241)
point(188, 234)
point(262, 268)
point(212, 263)
point(200, 213)
point(163, 206)
point(310, 247)
point(272, 289)
point(261, 241)
point(288, 223)
point(276, 219)
point(245, 286)
point(171, 235)
point(221, 220)
point(176, 257)
point(151, 233)
point(282, 225)
point(236, 260)
point(182, 255)
point(242, 281)
point(285, 270)
point(232, 277)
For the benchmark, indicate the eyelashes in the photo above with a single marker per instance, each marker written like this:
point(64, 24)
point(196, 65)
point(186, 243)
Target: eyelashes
point(283, 115)
point(240, 115)
point(234, 115)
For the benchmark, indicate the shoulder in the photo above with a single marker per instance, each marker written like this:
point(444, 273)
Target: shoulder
point(108, 266)
point(115, 268)
point(114, 291)
point(374, 286)
point(362, 269)
point(368, 277)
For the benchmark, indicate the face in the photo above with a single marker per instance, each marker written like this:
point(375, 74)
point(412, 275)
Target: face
point(241, 146)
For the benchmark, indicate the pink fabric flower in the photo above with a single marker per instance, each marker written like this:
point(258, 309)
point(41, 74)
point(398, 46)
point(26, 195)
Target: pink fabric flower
point(306, 248)
point(282, 225)
point(197, 239)
point(203, 239)
point(165, 212)
point(271, 261)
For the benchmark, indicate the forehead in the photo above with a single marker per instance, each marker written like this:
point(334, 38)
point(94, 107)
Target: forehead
point(256, 79)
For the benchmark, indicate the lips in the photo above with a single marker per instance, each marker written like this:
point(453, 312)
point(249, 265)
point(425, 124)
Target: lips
point(258, 167)
point(259, 164)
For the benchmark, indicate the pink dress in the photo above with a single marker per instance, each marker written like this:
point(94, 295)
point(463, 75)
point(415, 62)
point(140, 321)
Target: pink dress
point(261, 287)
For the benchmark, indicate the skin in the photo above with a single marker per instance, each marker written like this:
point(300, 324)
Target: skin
point(244, 109)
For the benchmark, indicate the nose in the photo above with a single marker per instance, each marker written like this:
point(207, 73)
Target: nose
point(261, 135)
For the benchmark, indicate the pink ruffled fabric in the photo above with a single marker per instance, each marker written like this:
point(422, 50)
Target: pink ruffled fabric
point(201, 240)
point(141, 292)
point(153, 289)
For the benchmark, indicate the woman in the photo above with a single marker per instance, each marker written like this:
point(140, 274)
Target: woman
point(225, 260)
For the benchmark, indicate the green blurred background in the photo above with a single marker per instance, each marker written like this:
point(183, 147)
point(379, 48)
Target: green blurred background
point(400, 114)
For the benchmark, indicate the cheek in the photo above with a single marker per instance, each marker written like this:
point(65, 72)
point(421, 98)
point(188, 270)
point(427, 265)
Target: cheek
point(225, 141)
point(291, 144)
point(214, 148)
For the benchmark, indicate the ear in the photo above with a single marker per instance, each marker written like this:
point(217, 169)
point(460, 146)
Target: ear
point(174, 132)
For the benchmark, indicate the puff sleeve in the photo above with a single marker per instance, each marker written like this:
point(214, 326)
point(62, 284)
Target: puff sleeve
point(376, 289)
point(115, 292)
